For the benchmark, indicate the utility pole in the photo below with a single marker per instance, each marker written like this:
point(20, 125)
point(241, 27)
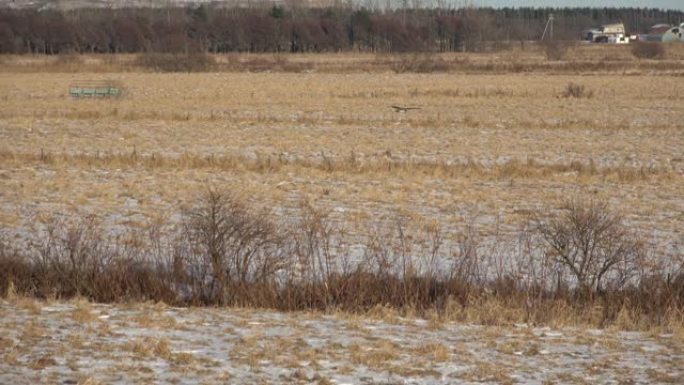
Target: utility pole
point(549, 27)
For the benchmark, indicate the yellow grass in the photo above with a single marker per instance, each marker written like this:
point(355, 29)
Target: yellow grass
point(484, 146)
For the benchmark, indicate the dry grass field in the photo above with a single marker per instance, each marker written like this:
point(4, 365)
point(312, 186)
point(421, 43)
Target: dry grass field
point(487, 146)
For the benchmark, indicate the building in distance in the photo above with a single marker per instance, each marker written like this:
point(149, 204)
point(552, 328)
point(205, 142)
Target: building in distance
point(607, 33)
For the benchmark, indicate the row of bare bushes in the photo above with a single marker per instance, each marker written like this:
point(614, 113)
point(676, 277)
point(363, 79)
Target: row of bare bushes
point(202, 62)
point(166, 62)
point(651, 57)
point(581, 257)
point(402, 63)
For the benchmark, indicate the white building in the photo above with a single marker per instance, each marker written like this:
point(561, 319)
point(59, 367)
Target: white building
point(608, 33)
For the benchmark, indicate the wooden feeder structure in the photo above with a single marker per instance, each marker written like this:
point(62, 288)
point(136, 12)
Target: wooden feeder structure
point(96, 89)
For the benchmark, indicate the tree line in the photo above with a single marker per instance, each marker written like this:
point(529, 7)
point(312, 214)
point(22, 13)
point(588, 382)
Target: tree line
point(212, 29)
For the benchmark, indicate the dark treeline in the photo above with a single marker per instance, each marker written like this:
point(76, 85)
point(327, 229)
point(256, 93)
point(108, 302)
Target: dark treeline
point(279, 29)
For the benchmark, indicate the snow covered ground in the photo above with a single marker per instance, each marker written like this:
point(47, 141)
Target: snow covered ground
point(82, 343)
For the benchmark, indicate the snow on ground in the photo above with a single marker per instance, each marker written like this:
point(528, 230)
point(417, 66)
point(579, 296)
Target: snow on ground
point(78, 342)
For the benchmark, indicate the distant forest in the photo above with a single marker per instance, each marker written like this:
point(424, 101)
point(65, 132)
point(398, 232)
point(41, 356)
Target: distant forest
point(281, 29)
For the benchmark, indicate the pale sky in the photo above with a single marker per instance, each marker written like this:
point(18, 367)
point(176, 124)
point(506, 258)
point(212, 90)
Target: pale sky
point(667, 4)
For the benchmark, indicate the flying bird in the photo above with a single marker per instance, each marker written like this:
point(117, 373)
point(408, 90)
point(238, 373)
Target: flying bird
point(404, 109)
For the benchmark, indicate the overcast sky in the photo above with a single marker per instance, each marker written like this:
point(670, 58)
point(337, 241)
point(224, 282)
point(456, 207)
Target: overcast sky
point(668, 4)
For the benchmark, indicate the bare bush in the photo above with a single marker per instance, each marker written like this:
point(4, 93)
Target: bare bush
point(574, 90)
point(225, 252)
point(68, 62)
point(163, 62)
point(76, 258)
point(317, 262)
point(229, 248)
point(263, 63)
point(555, 49)
point(15, 271)
point(592, 242)
point(419, 63)
point(74, 254)
point(647, 50)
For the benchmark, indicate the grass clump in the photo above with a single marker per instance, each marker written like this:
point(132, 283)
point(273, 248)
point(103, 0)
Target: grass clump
point(577, 91)
point(647, 50)
point(163, 62)
point(555, 50)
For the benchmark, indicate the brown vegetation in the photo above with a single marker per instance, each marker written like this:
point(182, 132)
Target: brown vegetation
point(227, 254)
point(160, 62)
point(648, 50)
point(292, 28)
point(573, 90)
point(534, 58)
point(555, 49)
point(593, 243)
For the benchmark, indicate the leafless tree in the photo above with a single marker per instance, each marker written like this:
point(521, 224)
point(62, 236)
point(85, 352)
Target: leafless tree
point(592, 242)
point(234, 247)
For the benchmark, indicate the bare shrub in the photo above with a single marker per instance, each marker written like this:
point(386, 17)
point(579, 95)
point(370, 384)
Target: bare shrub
point(555, 49)
point(228, 249)
point(318, 263)
point(647, 50)
point(15, 271)
point(163, 62)
point(564, 264)
point(68, 62)
point(578, 91)
point(73, 254)
point(78, 258)
point(263, 63)
point(419, 63)
point(592, 243)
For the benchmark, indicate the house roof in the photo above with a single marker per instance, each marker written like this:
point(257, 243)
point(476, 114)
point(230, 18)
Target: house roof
point(659, 29)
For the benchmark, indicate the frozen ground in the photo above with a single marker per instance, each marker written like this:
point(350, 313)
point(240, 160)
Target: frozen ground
point(78, 342)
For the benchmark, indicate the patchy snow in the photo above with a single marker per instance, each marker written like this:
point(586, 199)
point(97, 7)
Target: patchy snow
point(68, 343)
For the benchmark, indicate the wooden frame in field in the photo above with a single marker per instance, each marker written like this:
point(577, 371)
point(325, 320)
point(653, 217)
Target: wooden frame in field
point(95, 89)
